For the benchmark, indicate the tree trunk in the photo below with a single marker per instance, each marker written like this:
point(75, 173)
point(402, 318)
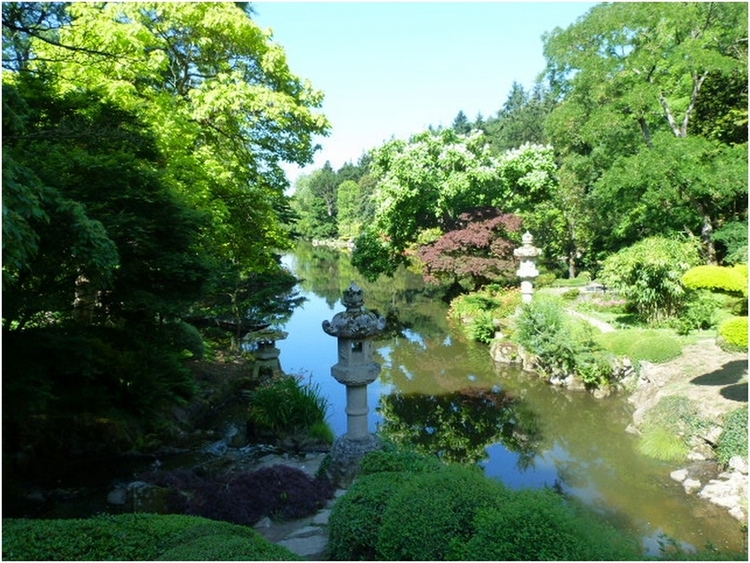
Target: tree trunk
point(709, 247)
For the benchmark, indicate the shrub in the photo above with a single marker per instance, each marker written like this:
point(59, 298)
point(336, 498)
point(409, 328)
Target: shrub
point(718, 278)
point(478, 311)
point(562, 345)
point(733, 331)
point(642, 345)
point(481, 328)
point(356, 517)
point(669, 427)
point(278, 491)
point(699, 312)
point(285, 406)
point(648, 274)
point(539, 525)
point(395, 459)
point(733, 439)
point(136, 537)
point(431, 509)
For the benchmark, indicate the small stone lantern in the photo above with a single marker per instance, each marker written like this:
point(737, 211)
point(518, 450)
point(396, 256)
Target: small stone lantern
point(527, 270)
point(354, 328)
point(264, 350)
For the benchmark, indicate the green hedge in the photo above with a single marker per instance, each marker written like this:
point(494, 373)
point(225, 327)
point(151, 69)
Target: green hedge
point(136, 537)
point(734, 332)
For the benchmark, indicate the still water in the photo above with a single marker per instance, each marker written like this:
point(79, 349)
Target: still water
point(445, 395)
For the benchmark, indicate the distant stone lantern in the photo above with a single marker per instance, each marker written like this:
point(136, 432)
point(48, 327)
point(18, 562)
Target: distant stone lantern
point(264, 350)
point(527, 270)
point(355, 329)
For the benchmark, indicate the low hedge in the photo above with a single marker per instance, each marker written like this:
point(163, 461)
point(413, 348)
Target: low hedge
point(642, 345)
point(136, 537)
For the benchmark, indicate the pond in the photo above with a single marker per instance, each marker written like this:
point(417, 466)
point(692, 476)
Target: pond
point(445, 395)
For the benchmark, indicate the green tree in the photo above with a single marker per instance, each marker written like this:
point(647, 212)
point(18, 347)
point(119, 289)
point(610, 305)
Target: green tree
point(461, 124)
point(637, 77)
point(521, 119)
point(349, 198)
point(225, 106)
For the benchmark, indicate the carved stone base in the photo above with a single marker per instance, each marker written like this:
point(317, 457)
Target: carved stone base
point(346, 456)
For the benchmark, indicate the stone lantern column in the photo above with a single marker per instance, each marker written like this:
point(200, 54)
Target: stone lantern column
point(354, 328)
point(527, 270)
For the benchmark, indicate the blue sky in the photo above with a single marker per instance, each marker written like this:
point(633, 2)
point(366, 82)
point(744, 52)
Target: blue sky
point(391, 69)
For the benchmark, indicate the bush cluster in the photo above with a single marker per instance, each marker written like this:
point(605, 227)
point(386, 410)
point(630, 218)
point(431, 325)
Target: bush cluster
point(562, 345)
point(278, 491)
point(733, 439)
point(448, 512)
point(718, 278)
point(136, 537)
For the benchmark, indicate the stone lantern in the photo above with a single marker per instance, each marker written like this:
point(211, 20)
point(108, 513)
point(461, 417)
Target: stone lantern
point(264, 350)
point(527, 270)
point(354, 328)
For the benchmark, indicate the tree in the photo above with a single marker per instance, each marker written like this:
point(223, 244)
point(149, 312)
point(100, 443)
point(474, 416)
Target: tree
point(226, 108)
point(461, 124)
point(348, 202)
point(521, 119)
point(477, 252)
point(636, 77)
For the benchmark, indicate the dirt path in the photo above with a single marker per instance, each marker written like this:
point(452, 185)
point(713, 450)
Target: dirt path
point(716, 380)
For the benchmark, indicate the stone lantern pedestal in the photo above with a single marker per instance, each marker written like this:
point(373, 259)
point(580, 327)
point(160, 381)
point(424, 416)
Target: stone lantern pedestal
point(354, 328)
point(527, 270)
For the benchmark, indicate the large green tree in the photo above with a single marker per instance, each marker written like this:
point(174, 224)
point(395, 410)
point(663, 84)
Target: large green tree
point(635, 83)
point(225, 107)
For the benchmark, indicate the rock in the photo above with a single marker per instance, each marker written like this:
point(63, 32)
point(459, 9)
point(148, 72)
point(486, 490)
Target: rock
point(739, 464)
point(691, 485)
point(737, 513)
point(679, 475)
point(117, 496)
point(311, 547)
point(217, 448)
point(696, 456)
point(264, 522)
point(321, 518)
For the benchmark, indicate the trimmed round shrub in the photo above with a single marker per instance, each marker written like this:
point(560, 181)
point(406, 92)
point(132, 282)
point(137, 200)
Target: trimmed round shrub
point(431, 510)
point(356, 517)
point(733, 438)
point(541, 525)
point(394, 459)
point(136, 537)
point(642, 345)
point(734, 332)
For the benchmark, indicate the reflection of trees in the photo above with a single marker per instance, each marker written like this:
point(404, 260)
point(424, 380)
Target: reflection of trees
point(458, 426)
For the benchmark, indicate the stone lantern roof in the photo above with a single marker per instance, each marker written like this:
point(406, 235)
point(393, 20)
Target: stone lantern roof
point(356, 322)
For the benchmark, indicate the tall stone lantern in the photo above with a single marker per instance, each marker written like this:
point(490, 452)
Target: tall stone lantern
point(354, 328)
point(527, 270)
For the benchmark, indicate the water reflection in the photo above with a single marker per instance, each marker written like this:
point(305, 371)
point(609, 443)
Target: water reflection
point(446, 396)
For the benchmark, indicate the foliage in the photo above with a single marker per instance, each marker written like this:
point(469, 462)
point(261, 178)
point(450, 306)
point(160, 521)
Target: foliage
point(732, 281)
point(136, 537)
point(478, 311)
point(433, 178)
point(732, 236)
point(244, 497)
point(648, 275)
point(431, 510)
point(393, 458)
point(226, 107)
point(561, 346)
point(669, 427)
point(733, 332)
point(641, 89)
point(642, 345)
point(733, 439)
point(477, 252)
point(357, 517)
point(699, 312)
point(541, 525)
point(450, 512)
point(283, 405)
